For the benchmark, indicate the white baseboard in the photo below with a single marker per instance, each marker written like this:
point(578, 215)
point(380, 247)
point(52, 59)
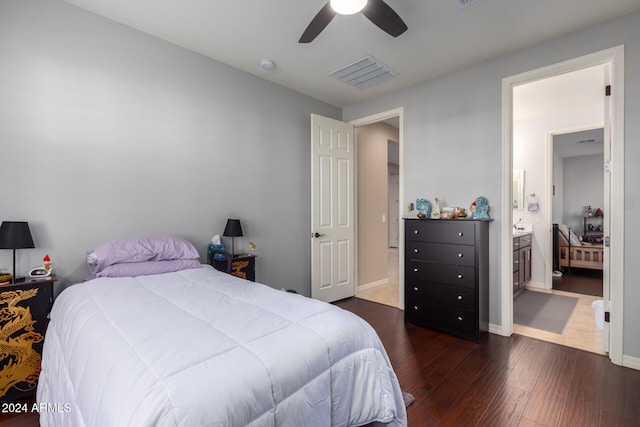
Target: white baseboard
point(495, 329)
point(631, 362)
point(373, 284)
point(535, 285)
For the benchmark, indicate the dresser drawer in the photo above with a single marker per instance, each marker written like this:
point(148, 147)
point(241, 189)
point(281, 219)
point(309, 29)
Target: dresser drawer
point(454, 320)
point(458, 275)
point(441, 253)
point(418, 293)
point(440, 231)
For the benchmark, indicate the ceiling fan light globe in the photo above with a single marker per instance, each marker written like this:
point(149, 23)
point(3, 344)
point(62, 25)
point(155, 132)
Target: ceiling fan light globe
point(348, 7)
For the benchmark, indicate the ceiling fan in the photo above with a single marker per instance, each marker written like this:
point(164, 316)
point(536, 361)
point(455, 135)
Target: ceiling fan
point(377, 11)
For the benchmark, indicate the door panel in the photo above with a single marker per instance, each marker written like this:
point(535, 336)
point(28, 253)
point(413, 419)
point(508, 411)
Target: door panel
point(332, 209)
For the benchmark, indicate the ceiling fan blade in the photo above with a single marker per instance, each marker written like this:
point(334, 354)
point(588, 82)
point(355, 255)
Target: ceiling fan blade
point(381, 14)
point(317, 24)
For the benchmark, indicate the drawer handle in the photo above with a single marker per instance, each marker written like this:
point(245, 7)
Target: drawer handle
point(416, 232)
point(415, 270)
point(516, 261)
point(415, 288)
point(460, 234)
point(459, 297)
point(460, 319)
point(415, 250)
point(460, 276)
point(460, 255)
point(415, 307)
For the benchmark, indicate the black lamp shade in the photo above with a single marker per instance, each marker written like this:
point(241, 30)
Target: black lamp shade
point(15, 235)
point(233, 228)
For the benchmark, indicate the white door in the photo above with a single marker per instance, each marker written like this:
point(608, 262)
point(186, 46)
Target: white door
point(394, 208)
point(332, 209)
point(606, 278)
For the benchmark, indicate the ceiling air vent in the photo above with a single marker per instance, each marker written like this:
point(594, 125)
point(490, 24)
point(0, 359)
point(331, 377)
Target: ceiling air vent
point(464, 3)
point(365, 72)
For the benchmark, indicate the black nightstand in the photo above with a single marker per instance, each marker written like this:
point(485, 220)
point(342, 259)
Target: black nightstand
point(24, 311)
point(242, 266)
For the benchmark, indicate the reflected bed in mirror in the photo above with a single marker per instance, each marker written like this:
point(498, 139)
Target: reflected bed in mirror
point(518, 189)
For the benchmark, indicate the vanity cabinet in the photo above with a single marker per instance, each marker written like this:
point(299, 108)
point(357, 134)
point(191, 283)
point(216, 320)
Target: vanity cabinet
point(447, 275)
point(521, 262)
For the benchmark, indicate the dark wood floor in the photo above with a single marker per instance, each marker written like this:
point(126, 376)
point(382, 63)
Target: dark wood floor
point(580, 281)
point(515, 381)
point(11, 416)
point(501, 381)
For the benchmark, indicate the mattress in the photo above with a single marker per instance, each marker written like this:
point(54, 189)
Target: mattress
point(202, 348)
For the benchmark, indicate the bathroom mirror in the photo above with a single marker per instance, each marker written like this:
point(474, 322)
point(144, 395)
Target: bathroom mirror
point(518, 189)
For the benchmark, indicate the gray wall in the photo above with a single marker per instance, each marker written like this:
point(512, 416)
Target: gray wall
point(453, 140)
point(107, 132)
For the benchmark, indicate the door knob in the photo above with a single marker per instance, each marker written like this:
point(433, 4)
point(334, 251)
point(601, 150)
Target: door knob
point(316, 235)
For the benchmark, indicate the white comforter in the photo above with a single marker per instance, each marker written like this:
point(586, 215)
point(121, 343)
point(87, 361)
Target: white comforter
point(202, 348)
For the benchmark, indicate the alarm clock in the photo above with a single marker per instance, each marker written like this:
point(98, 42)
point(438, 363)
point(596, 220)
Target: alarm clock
point(39, 272)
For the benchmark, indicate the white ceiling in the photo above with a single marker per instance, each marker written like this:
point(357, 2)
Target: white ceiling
point(441, 37)
point(582, 143)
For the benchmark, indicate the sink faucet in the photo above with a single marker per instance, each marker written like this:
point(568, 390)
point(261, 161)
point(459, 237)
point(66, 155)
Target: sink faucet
point(515, 226)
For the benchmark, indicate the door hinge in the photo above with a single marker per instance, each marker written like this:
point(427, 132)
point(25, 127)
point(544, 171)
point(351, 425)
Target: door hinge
point(608, 166)
point(607, 90)
point(606, 316)
point(607, 241)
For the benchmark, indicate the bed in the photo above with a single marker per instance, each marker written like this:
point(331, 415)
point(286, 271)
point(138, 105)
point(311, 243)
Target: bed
point(199, 347)
point(572, 252)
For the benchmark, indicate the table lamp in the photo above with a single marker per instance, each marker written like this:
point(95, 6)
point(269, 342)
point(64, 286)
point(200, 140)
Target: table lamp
point(15, 235)
point(233, 230)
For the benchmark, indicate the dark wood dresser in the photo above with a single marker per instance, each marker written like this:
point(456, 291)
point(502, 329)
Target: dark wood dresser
point(447, 275)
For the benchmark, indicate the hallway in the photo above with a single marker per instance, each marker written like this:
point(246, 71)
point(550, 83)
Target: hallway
point(387, 293)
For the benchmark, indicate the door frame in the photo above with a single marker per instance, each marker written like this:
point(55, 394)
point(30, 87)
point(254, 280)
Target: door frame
point(614, 57)
point(367, 120)
point(548, 274)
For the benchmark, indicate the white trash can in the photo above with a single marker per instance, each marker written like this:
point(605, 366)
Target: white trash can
point(598, 311)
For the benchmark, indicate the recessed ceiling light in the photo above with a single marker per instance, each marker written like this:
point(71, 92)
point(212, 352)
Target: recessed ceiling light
point(267, 64)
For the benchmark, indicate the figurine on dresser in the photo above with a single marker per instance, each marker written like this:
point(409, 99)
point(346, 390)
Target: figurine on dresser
point(424, 208)
point(479, 209)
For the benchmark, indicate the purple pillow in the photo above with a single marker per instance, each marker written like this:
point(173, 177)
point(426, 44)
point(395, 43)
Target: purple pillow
point(140, 249)
point(146, 268)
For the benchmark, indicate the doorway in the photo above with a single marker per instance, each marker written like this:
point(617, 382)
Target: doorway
point(378, 213)
point(577, 182)
point(611, 59)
